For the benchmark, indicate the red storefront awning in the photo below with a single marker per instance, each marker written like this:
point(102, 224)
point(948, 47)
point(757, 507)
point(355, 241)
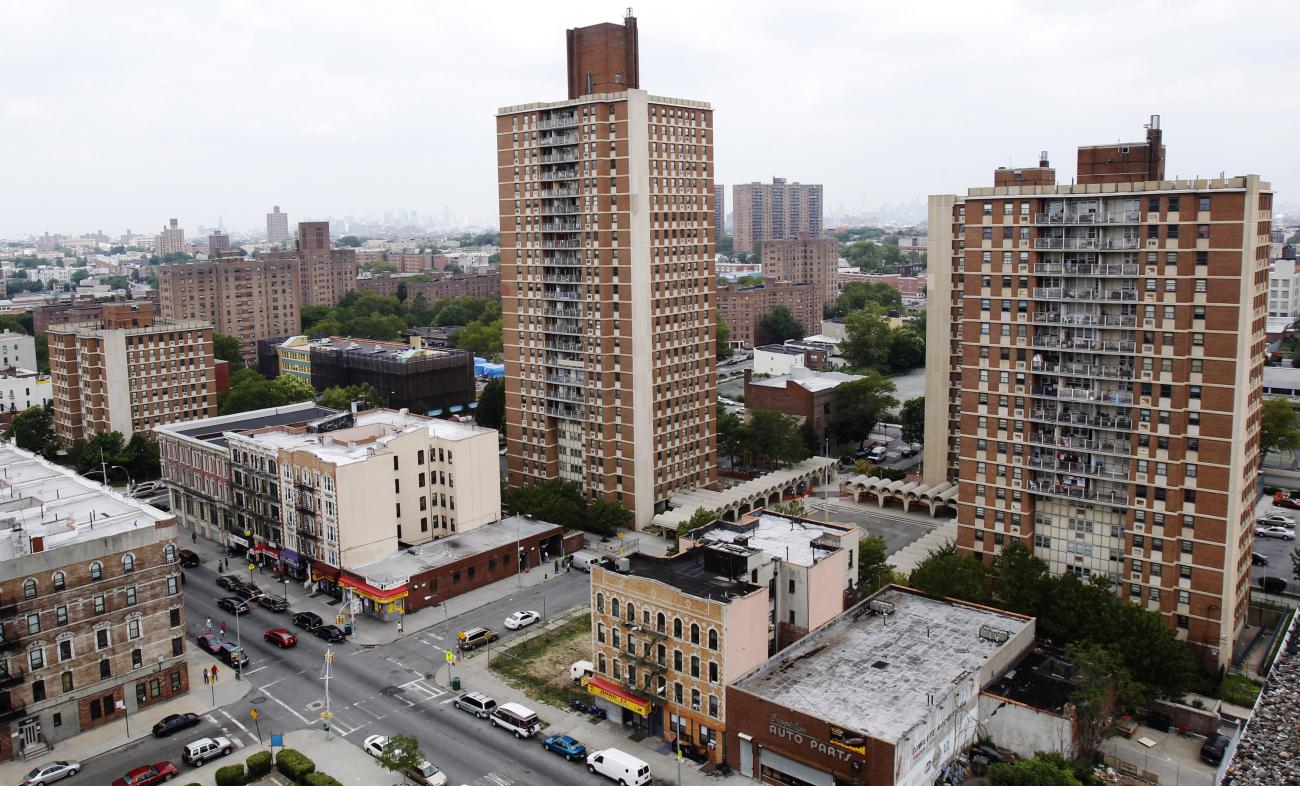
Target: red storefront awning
point(611, 691)
point(325, 572)
point(379, 596)
point(265, 549)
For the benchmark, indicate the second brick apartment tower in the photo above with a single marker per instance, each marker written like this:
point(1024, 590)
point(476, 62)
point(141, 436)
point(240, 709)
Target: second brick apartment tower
point(1096, 356)
point(607, 282)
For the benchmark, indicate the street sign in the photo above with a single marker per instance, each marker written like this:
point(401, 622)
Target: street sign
point(277, 740)
point(449, 656)
point(253, 713)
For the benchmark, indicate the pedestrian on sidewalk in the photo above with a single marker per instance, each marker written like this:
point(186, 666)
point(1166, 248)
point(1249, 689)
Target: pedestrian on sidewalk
point(214, 675)
point(194, 537)
point(223, 630)
point(208, 624)
point(205, 676)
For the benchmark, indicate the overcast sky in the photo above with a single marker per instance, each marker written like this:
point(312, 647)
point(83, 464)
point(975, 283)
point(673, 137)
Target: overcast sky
point(120, 115)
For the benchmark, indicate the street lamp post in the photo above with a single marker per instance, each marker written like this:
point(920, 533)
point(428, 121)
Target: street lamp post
point(239, 642)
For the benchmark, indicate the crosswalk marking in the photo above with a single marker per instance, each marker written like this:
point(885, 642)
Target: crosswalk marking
point(422, 686)
point(498, 779)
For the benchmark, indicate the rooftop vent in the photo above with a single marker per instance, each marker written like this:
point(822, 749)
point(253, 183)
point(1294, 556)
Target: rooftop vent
point(995, 635)
point(880, 664)
point(881, 606)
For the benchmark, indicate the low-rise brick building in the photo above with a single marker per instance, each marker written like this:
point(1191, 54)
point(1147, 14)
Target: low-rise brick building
point(91, 610)
point(744, 307)
point(802, 393)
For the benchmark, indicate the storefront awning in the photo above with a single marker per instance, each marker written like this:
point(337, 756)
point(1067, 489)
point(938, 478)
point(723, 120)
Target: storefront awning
point(265, 549)
point(324, 572)
point(610, 691)
point(366, 591)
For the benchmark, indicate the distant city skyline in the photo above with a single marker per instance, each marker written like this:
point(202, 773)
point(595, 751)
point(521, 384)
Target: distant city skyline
point(887, 106)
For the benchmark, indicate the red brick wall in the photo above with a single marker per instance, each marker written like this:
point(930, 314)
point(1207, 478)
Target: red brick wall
point(448, 581)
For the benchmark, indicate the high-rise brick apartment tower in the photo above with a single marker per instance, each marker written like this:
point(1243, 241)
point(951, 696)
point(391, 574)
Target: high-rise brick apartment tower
point(1095, 356)
point(607, 282)
point(805, 260)
point(774, 211)
point(326, 274)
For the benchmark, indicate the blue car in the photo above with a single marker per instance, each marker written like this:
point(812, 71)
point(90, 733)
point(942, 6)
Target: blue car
point(567, 747)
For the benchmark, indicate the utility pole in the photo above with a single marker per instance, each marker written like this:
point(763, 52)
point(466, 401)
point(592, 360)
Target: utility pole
point(326, 715)
point(239, 643)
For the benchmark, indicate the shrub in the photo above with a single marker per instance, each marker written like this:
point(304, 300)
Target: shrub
point(1240, 690)
point(294, 765)
point(231, 775)
point(321, 779)
point(259, 764)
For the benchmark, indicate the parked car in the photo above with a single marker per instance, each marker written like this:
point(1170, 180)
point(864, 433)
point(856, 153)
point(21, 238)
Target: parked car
point(618, 766)
point(209, 643)
point(51, 772)
point(909, 450)
point(234, 655)
point(1214, 748)
point(188, 559)
point(174, 723)
point(1275, 520)
point(228, 582)
point(273, 603)
point(1274, 532)
point(522, 619)
point(281, 638)
point(1258, 559)
point(249, 591)
point(148, 775)
point(149, 488)
point(475, 637)
point(517, 719)
point(566, 746)
point(233, 605)
point(199, 752)
point(307, 620)
point(1286, 502)
point(331, 633)
point(375, 744)
point(480, 705)
point(429, 775)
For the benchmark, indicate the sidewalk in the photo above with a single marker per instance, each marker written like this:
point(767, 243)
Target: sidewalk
point(114, 735)
point(347, 764)
point(595, 734)
point(365, 630)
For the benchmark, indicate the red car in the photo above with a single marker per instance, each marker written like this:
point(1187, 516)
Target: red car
point(281, 638)
point(1286, 502)
point(148, 775)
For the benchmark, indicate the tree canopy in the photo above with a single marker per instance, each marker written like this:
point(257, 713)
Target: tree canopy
point(777, 327)
point(341, 398)
point(560, 502)
point(859, 405)
point(491, 410)
point(723, 337)
point(482, 339)
point(858, 294)
point(33, 429)
point(912, 419)
point(249, 390)
point(871, 343)
point(1279, 427)
point(227, 348)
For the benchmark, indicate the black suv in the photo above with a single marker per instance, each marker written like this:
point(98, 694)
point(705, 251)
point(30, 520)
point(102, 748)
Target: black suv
point(228, 582)
point(234, 605)
point(174, 723)
point(273, 603)
point(1214, 748)
point(189, 559)
point(307, 620)
point(330, 633)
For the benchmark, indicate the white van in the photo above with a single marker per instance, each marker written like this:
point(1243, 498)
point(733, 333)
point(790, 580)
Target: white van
point(586, 560)
point(616, 765)
point(580, 669)
point(516, 718)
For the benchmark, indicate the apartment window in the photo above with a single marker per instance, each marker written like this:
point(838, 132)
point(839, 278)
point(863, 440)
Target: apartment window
point(29, 589)
point(169, 553)
point(695, 633)
point(33, 623)
point(103, 640)
point(1202, 231)
point(66, 681)
point(695, 666)
point(1184, 597)
point(60, 581)
point(713, 671)
point(1200, 285)
point(137, 658)
point(677, 628)
point(130, 596)
point(988, 208)
point(36, 659)
point(1203, 204)
point(395, 463)
point(175, 618)
point(791, 585)
point(105, 669)
point(133, 628)
point(1187, 546)
point(128, 563)
point(96, 571)
point(65, 650)
point(61, 615)
point(172, 587)
point(713, 634)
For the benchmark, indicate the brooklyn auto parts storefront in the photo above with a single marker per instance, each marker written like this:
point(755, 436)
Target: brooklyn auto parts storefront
point(777, 745)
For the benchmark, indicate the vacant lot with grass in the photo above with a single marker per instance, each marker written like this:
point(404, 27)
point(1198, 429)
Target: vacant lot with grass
point(539, 666)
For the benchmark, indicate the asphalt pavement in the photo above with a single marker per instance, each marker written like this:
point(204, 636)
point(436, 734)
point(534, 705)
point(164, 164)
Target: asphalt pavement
point(384, 689)
point(1277, 550)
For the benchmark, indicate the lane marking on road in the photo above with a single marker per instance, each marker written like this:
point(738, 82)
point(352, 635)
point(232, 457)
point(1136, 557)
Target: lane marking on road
point(448, 701)
point(254, 671)
point(232, 719)
point(368, 712)
point(501, 780)
point(274, 682)
point(294, 712)
point(210, 719)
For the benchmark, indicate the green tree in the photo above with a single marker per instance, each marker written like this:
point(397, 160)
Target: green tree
point(731, 428)
point(778, 327)
point(700, 518)
point(401, 291)
point(1102, 686)
point(774, 436)
point(104, 449)
point(1045, 769)
point(874, 570)
point(418, 311)
point(723, 337)
point(606, 517)
point(33, 429)
point(859, 405)
point(491, 410)
point(867, 341)
point(1279, 427)
point(482, 339)
point(349, 241)
point(291, 390)
point(912, 419)
point(227, 348)
point(143, 459)
point(556, 501)
point(248, 395)
point(858, 294)
point(401, 755)
point(906, 349)
point(1019, 580)
point(945, 574)
point(341, 398)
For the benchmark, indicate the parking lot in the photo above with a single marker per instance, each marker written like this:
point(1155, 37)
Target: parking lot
point(1276, 550)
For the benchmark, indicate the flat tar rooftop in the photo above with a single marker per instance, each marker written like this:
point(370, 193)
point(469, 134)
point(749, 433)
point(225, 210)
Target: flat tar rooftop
point(213, 430)
point(702, 571)
point(796, 541)
point(397, 569)
point(371, 428)
point(877, 673)
point(43, 500)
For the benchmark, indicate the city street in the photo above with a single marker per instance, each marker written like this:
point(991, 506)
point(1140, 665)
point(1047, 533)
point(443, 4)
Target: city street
point(388, 689)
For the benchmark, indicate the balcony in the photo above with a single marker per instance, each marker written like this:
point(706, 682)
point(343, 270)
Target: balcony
point(1084, 320)
point(1084, 370)
point(1081, 443)
point(559, 158)
point(8, 610)
point(567, 313)
point(567, 413)
point(559, 294)
point(1105, 296)
point(1066, 269)
point(563, 346)
point(307, 533)
point(1096, 470)
point(575, 380)
point(560, 174)
point(560, 278)
point(566, 209)
point(569, 138)
point(562, 260)
point(562, 328)
point(560, 193)
point(9, 639)
point(1082, 394)
point(1083, 345)
point(562, 394)
point(561, 226)
point(1085, 244)
point(1077, 492)
point(557, 245)
point(1082, 419)
point(558, 121)
point(1120, 217)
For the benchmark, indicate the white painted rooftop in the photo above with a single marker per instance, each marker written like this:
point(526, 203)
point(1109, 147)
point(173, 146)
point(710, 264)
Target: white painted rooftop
point(372, 428)
point(780, 537)
point(397, 569)
point(39, 499)
point(877, 674)
point(809, 379)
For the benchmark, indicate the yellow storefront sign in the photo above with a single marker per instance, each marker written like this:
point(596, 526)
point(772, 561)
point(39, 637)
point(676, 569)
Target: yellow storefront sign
point(641, 708)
